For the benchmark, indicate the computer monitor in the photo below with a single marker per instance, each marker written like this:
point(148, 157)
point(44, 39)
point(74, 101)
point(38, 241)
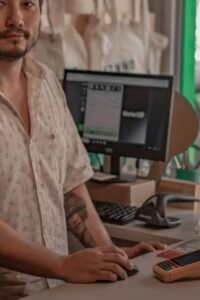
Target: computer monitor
point(122, 115)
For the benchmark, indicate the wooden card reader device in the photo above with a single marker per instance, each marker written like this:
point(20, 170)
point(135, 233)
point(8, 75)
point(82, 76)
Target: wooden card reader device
point(186, 266)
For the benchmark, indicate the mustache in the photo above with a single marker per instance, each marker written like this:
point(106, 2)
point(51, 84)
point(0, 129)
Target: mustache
point(14, 31)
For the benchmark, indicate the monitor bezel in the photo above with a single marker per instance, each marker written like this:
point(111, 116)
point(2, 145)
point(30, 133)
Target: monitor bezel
point(135, 151)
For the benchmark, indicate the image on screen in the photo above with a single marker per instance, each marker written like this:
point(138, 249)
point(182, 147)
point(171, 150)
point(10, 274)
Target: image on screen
point(103, 100)
point(128, 115)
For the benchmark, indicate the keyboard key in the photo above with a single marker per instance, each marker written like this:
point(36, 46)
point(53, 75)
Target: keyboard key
point(115, 213)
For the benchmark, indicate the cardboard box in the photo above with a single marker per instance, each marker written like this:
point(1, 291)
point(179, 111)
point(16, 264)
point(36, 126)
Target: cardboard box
point(126, 193)
point(170, 185)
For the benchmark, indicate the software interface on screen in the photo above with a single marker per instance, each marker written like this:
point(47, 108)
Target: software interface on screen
point(119, 112)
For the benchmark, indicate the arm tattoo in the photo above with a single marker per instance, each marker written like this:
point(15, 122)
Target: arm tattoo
point(76, 214)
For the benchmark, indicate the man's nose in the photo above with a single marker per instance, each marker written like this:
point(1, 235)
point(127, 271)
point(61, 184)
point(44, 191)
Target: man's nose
point(14, 17)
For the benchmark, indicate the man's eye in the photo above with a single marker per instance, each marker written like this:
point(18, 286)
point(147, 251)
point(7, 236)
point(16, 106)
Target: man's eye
point(2, 3)
point(28, 4)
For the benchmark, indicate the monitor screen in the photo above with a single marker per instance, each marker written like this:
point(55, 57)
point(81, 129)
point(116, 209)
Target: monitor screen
point(121, 114)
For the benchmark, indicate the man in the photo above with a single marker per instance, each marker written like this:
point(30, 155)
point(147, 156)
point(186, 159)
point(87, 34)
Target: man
point(43, 167)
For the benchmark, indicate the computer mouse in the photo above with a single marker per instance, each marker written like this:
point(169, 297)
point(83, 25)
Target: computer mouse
point(130, 273)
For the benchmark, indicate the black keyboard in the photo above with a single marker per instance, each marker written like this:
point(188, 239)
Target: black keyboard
point(115, 213)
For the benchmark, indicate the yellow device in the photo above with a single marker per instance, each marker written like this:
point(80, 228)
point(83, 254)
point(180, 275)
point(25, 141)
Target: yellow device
point(184, 266)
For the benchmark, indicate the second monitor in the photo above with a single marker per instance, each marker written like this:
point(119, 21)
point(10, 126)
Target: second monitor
point(121, 114)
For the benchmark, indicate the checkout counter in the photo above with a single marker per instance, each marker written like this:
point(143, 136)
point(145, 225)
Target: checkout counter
point(144, 285)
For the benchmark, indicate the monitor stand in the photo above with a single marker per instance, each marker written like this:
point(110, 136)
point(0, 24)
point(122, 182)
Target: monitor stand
point(123, 178)
point(113, 174)
point(101, 177)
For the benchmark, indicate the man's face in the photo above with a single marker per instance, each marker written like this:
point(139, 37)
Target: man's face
point(19, 27)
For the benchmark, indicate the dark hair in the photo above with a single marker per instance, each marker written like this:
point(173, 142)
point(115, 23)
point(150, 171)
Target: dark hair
point(41, 2)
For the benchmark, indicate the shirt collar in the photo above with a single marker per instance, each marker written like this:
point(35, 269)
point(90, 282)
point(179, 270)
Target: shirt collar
point(33, 68)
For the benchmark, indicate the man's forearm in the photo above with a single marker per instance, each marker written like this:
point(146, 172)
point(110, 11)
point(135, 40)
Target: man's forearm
point(21, 255)
point(83, 220)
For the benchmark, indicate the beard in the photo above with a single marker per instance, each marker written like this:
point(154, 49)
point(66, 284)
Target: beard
point(18, 52)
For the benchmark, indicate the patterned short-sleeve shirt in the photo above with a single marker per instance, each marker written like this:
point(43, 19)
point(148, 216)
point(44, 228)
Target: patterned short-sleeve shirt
point(36, 170)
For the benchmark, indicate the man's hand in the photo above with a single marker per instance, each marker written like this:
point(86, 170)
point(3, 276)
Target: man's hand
point(143, 248)
point(102, 263)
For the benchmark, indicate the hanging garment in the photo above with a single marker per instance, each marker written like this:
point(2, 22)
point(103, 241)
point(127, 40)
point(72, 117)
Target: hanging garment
point(60, 46)
point(127, 43)
point(114, 46)
point(154, 42)
point(123, 9)
point(80, 7)
point(56, 14)
point(49, 48)
point(158, 43)
point(122, 50)
point(49, 51)
point(75, 53)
